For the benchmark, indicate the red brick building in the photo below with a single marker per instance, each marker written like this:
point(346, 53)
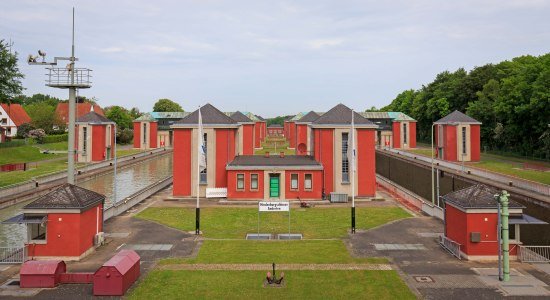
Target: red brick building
point(146, 132)
point(62, 224)
point(95, 138)
point(304, 133)
point(471, 218)
point(457, 137)
point(245, 134)
point(275, 130)
point(11, 117)
point(325, 170)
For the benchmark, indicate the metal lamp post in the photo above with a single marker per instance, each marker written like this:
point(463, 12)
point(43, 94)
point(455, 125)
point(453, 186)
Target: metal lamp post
point(72, 79)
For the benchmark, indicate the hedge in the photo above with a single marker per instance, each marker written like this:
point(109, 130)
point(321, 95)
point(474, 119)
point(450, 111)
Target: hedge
point(56, 138)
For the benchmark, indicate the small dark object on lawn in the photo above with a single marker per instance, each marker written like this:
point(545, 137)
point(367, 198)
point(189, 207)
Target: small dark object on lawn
point(304, 204)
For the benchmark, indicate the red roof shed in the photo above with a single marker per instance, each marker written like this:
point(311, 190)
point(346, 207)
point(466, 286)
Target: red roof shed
point(116, 276)
point(41, 273)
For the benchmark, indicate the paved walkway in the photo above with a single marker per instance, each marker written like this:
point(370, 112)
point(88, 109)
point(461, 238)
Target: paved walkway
point(267, 267)
point(430, 271)
point(531, 186)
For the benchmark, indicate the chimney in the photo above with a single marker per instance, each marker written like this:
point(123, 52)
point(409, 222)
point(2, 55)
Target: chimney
point(282, 154)
point(266, 154)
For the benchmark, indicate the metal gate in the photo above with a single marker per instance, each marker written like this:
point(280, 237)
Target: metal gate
point(13, 255)
point(534, 254)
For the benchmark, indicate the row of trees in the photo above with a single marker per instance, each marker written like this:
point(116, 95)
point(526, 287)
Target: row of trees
point(511, 99)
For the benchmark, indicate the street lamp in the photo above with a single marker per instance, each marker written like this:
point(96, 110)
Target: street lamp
point(70, 78)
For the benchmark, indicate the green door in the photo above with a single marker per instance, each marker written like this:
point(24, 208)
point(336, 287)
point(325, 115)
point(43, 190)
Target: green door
point(273, 186)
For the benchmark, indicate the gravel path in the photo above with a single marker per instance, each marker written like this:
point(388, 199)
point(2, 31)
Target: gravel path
point(267, 267)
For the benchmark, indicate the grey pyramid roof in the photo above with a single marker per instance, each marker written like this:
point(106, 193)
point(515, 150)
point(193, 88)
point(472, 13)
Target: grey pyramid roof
point(67, 196)
point(341, 115)
point(309, 117)
point(289, 118)
point(457, 117)
point(95, 118)
point(260, 117)
point(476, 196)
point(239, 117)
point(210, 116)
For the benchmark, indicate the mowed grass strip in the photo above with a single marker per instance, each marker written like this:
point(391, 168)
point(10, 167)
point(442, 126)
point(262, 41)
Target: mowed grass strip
point(281, 252)
point(312, 223)
point(165, 284)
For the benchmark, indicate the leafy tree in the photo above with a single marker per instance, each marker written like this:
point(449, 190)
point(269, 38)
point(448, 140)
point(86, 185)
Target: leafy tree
point(280, 120)
point(166, 105)
point(124, 136)
point(43, 116)
point(23, 130)
point(10, 76)
point(135, 113)
point(120, 115)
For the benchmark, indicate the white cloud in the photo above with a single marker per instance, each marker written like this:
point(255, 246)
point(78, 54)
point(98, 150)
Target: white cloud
point(324, 43)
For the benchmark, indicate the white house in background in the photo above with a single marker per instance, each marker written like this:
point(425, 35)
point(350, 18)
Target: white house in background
point(11, 117)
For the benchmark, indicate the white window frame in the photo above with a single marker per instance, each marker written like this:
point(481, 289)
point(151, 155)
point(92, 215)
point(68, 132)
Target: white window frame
point(292, 187)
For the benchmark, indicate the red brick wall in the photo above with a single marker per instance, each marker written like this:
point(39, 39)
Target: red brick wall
point(182, 162)
point(257, 134)
point(366, 163)
point(315, 193)
point(99, 149)
point(301, 137)
point(412, 134)
point(137, 134)
point(248, 139)
point(450, 143)
point(225, 152)
point(292, 134)
point(396, 135)
point(455, 225)
point(475, 143)
point(246, 193)
point(153, 135)
point(324, 153)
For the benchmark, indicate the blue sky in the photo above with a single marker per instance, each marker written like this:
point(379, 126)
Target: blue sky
point(270, 57)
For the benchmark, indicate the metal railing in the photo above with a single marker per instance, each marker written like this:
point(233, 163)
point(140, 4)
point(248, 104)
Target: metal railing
point(13, 255)
point(61, 77)
point(534, 254)
point(450, 245)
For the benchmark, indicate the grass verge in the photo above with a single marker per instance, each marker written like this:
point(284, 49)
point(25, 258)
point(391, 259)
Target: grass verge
point(165, 284)
point(313, 223)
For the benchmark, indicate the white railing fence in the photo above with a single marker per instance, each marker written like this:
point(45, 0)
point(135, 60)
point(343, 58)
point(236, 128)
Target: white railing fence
point(534, 254)
point(13, 255)
point(450, 245)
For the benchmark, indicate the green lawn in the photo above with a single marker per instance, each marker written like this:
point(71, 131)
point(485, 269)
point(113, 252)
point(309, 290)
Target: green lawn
point(512, 166)
point(258, 252)
point(126, 152)
point(7, 178)
point(165, 284)
point(60, 146)
point(421, 151)
point(22, 154)
point(313, 223)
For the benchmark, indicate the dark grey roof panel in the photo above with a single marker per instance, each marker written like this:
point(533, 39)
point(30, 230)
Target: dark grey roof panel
point(341, 114)
point(457, 117)
point(67, 196)
point(209, 114)
point(309, 117)
point(273, 160)
point(240, 117)
point(476, 196)
point(93, 117)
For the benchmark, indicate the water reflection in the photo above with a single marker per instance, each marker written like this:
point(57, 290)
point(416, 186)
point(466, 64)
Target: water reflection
point(129, 180)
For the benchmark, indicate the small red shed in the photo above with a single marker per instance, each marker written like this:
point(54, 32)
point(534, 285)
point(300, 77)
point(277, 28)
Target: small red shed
point(471, 220)
point(145, 132)
point(95, 138)
point(457, 137)
point(116, 276)
point(41, 273)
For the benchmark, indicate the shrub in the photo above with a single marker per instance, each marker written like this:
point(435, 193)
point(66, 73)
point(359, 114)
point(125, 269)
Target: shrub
point(38, 135)
point(125, 136)
point(56, 138)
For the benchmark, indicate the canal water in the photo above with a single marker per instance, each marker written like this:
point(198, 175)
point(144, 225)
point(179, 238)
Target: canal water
point(418, 179)
point(129, 180)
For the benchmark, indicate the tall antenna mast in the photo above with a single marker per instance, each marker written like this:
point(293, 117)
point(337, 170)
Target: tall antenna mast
point(72, 79)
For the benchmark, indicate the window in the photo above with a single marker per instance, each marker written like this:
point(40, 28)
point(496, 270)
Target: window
point(4, 121)
point(404, 133)
point(84, 139)
point(253, 181)
point(464, 140)
point(145, 133)
point(308, 181)
point(294, 181)
point(345, 162)
point(240, 181)
point(37, 231)
point(203, 175)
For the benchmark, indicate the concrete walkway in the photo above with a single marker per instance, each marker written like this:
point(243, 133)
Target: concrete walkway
point(430, 271)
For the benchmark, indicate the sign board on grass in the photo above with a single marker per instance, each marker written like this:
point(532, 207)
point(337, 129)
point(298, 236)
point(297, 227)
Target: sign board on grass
point(273, 206)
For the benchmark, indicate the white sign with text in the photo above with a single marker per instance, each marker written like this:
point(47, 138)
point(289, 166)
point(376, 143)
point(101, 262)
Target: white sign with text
point(274, 206)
